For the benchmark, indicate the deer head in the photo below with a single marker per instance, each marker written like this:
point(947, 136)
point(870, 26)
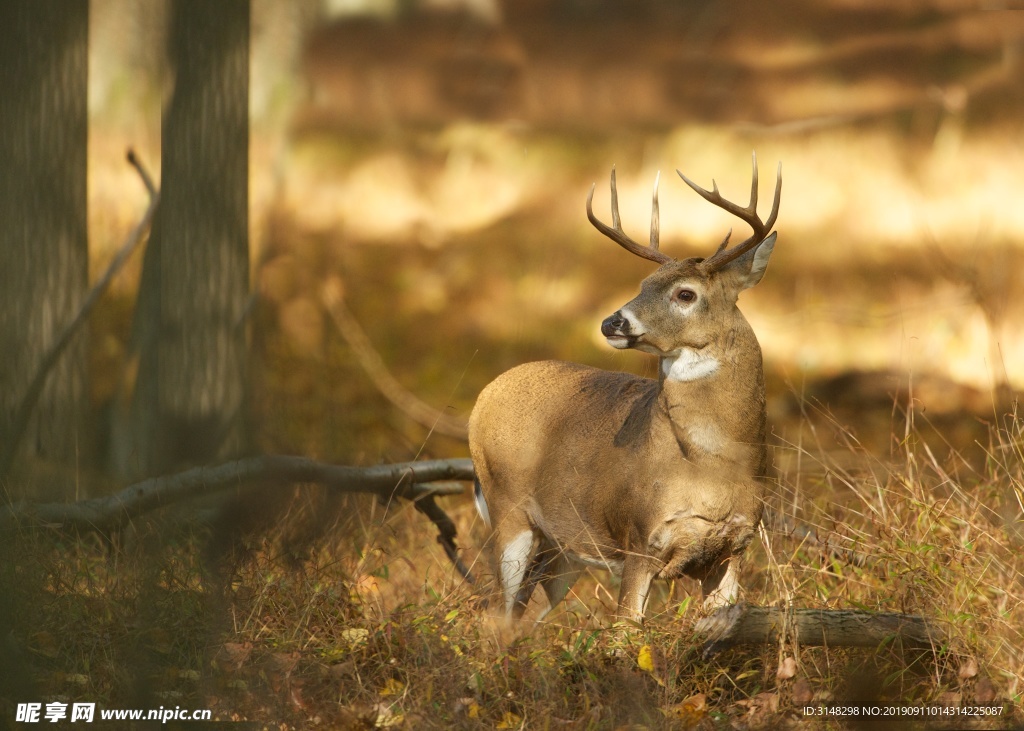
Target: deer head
point(682, 307)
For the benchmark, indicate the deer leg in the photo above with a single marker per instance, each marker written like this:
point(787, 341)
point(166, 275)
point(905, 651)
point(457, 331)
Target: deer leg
point(637, 574)
point(516, 562)
point(535, 573)
point(560, 574)
point(721, 586)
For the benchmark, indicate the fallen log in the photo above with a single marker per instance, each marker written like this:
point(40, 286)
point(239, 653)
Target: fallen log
point(743, 623)
point(404, 480)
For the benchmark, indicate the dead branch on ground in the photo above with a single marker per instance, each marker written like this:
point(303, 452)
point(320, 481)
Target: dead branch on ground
point(743, 623)
point(405, 480)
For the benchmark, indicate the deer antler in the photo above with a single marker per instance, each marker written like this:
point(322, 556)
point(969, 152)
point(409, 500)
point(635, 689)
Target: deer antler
point(615, 232)
point(749, 215)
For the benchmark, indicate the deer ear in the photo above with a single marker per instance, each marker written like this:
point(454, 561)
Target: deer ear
point(750, 267)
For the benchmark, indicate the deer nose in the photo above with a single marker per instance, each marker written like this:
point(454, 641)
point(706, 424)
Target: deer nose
point(615, 324)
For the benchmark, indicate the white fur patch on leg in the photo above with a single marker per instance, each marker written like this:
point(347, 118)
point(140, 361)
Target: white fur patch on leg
point(481, 504)
point(514, 560)
point(727, 591)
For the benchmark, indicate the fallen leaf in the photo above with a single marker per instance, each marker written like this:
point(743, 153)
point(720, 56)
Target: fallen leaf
point(510, 720)
point(761, 704)
point(968, 669)
point(283, 662)
point(984, 692)
point(355, 636)
point(688, 712)
point(469, 706)
point(651, 659)
point(232, 655)
point(787, 668)
point(392, 687)
point(386, 718)
point(366, 585)
point(801, 692)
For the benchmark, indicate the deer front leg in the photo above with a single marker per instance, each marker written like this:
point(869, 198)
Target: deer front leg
point(637, 573)
point(721, 586)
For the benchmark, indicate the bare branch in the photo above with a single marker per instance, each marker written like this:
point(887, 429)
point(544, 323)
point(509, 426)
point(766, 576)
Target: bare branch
point(407, 480)
point(446, 533)
point(387, 384)
point(23, 413)
point(403, 480)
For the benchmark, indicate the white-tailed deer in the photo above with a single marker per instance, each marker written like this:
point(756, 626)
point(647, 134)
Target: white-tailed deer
point(648, 478)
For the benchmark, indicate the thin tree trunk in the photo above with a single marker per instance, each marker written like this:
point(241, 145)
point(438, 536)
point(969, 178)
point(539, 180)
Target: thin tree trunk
point(43, 242)
point(190, 399)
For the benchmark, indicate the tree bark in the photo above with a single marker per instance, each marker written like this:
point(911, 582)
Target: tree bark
point(43, 241)
point(745, 624)
point(114, 511)
point(189, 404)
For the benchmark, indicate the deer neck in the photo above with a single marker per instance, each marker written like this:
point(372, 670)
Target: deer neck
point(715, 389)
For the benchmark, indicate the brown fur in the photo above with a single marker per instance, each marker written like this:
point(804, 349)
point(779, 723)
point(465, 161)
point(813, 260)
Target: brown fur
point(577, 465)
point(653, 478)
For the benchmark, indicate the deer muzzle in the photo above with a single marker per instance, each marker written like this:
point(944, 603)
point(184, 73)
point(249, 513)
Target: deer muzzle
point(618, 331)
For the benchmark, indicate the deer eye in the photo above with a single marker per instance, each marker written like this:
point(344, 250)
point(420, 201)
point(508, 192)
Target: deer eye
point(686, 295)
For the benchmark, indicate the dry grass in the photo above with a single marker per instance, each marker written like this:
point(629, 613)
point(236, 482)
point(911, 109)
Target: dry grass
point(468, 252)
point(363, 624)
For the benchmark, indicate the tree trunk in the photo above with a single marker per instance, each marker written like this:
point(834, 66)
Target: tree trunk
point(43, 242)
point(190, 398)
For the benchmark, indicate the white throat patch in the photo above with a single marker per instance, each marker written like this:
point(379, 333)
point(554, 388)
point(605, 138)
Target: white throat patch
point(688, 365)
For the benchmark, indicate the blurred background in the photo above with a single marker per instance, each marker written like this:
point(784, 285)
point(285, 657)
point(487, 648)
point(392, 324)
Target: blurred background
point(426, 163)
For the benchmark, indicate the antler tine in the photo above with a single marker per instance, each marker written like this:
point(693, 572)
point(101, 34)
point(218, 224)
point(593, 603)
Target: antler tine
point(615, 232)
point(725, 242)
point(616, 220)
point(748, 215)
point(752, 205)
point(655, 214)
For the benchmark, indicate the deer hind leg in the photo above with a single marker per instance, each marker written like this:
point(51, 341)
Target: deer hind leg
point(517, 567)
point(721, 586)
point(559, 574)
